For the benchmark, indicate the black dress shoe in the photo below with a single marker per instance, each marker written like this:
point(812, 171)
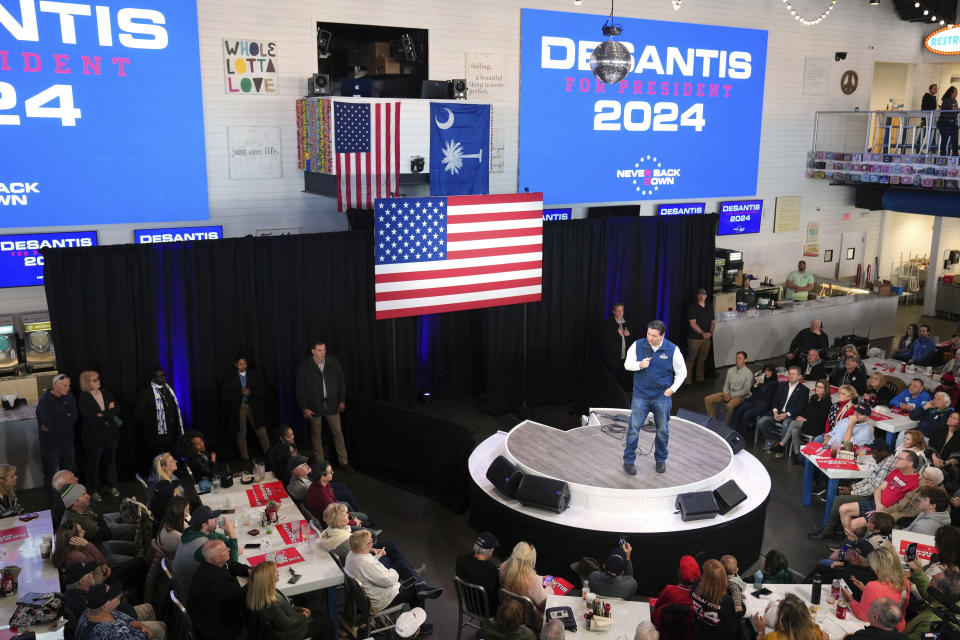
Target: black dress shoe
point(661, 467)
point(630, 468)
point(822, 533)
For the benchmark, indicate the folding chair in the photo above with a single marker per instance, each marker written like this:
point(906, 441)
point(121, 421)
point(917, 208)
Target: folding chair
point(472, 603)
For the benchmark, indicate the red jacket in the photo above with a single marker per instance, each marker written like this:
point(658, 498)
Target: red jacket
point(671, 594)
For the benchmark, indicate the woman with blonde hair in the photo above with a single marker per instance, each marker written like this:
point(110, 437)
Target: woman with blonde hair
point(714, 615)
point(164, 468)
point(100, 435)
point(914, 440)
point(518, 574)
point(9, 505)
point(890, 583)
point(794, 622)
point(286, 620)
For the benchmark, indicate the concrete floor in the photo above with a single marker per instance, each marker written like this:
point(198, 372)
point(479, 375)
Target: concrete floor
point(429, 533)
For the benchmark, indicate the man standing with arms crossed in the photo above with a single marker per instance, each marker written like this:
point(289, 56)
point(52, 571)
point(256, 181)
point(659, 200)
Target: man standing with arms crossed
point(321, 393)
point(659, 371)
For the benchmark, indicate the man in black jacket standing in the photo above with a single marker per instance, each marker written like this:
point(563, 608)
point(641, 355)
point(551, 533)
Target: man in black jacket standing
point(216, 602)
point(56, 415)
point(242, 393)
point(322, 393)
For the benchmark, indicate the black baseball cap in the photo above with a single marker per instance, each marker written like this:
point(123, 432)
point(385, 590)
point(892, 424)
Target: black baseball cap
point(486, 540)
point(101, 594)
point(296, 461)
point(75, 571)
point(615, 564)
point(201, 515)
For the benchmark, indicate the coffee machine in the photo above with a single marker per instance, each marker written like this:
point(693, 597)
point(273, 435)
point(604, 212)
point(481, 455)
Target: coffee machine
point(732, 265)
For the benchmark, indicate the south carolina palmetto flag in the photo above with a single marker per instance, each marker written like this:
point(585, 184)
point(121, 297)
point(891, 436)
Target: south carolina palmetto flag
point(435, 254)
point(367, 146)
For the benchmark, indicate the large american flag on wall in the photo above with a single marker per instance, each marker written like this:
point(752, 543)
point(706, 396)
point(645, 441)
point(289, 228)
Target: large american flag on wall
point(367, 144)
point(437, 254)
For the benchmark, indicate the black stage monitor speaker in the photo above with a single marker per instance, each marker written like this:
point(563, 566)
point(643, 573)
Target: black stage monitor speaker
point(544, 493)
point(697, 505)
point(729, 495)
point(505, 476)
point(734, 439)
point(692, 416)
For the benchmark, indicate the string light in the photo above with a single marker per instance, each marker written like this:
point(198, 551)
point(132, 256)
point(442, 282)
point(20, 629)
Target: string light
point(809, 22)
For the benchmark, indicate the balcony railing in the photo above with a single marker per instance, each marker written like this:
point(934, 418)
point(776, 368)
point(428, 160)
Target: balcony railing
point(886, 132)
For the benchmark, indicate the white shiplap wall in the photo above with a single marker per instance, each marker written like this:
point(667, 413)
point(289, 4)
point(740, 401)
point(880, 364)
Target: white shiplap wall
point(868, 34)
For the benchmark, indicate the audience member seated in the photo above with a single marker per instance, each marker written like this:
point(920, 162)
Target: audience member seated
point(285, 620)
point(776, 569)
point(915, 441)
point(758, 402)
point(688, 574)
point(70, 547)
point(200, 462)
point(811, 421)
point(883, 616)
point(162, 475)
point(477, 567)
point(905, 345)
point(714, 616)
point(77, 502)
point(933, 414)
point(878, 391)
point(912, 397)
point(948, 384)
point(412, 624)
point(855, 560)
point(80, 578)
point(736, 387)
point(736, 587)
point(171, 528)
point(946, 541)
point(851, 373)
point(789, 401)
point(280, 452)
point(856, 430)
point(298, 469)
point(943, 449)
point(387, 581)
point(646, 631)
point(814, 369)
point(507, 624)
point(202, 529)
point(952, 355)
point(616, 580)
point(934, 503)
point(61, 480)
point(946, 582)
point(102, 620)
point(336, 537)
point(884, 462)
point(908, 507)
point(901, 481)
point(322, 493)
point(806, 339)
point(518, 575)
point(890, 583)
point(9, 505)
point(553, 630)
point(216, 598)
point(921, 351)
point(794, 622)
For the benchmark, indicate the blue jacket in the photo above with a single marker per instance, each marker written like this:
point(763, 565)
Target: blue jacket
point(929, 420)
point(58, 415)
point(797, 402)
point(904, 396)
point(922, 350)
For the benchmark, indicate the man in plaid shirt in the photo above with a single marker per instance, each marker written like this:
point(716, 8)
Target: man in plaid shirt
point(859, 490)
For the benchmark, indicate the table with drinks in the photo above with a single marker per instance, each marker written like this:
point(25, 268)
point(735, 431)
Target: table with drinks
point(623, 615)
point(835, 469)
point(26, 543)
point(831, 613)
point(287, 538)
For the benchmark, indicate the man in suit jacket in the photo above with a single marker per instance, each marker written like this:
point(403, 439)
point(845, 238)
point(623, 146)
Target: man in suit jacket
point(242, 393)
point(216, 598)
point(614, 342)
point(322, 393)
point(789, 402)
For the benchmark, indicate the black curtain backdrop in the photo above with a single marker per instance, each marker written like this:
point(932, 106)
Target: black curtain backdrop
point(190, 307)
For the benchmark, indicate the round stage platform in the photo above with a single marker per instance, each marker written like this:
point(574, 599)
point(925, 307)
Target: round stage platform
point(606, 503)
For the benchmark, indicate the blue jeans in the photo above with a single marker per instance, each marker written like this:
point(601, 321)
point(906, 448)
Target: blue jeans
point(660, 406)
point(343, 495)
point(768, 427)
point(746, 414)
point(393, 559)
point(99, 457)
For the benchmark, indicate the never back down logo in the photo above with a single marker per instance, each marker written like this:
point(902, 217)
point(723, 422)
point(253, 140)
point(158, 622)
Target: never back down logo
point(648, 175)
point(14, 194)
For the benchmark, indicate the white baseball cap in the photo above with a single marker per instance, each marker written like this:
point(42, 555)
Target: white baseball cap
point(409, 622)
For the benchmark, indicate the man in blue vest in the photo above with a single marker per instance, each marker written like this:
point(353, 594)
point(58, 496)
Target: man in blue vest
point(659, 371)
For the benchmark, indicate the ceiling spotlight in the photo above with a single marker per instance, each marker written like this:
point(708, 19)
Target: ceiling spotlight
point(610, 60)
point(916, 5)
point(933, 18)
point(925, 12)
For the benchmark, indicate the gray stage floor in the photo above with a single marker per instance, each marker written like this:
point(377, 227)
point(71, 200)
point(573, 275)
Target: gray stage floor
point(592, 457)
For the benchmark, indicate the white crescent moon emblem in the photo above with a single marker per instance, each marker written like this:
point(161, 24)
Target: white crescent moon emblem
point(448, 122)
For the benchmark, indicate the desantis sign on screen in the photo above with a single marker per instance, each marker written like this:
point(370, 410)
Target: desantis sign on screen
point(740, 216)
point(21, 264)
point(101, 119)
point(684, 122)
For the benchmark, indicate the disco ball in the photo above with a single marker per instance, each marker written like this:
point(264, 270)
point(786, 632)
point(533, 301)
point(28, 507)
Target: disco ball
point(610, 61)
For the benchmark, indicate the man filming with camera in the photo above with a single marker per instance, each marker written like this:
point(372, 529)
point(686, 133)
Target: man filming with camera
point(942, 592)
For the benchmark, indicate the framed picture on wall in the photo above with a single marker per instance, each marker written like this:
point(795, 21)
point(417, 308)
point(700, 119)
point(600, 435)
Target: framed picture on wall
point(828, 255)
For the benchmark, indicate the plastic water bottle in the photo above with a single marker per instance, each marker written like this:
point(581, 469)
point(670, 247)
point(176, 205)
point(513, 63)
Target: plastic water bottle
point(758, 580)
point(586, 589)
